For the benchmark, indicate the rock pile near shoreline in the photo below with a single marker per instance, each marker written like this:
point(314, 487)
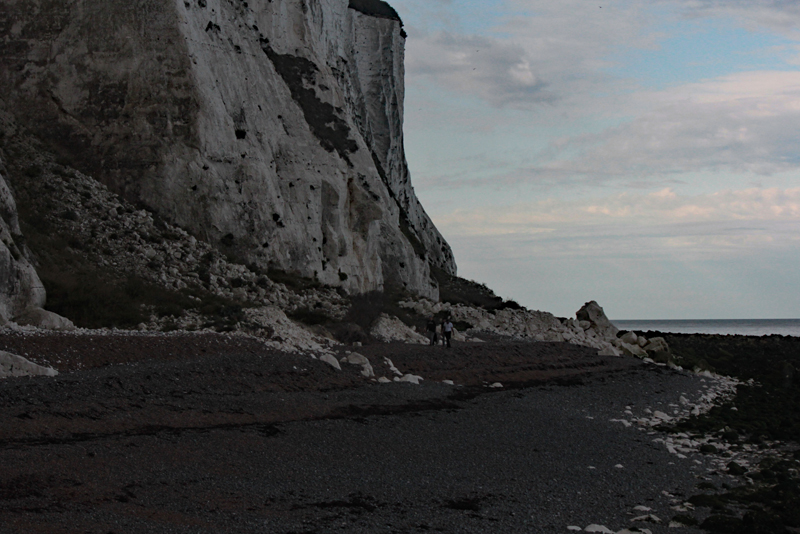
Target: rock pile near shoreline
point(13, 365)
point(590, 327)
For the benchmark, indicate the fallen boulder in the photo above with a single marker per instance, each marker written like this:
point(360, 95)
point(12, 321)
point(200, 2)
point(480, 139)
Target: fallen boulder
point(41, 318)
point(330, 360)
point(656, 344)
point(388, 329)
point(630, 338)
point(599, 323)
point(633, 350)
point(13, 365)
point(355, 358)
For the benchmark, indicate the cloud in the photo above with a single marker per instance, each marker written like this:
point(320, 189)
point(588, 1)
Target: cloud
point(747, 122)
point(724, 220)
point(532, 98)
point(666, 205)
point(776, 15)
point(551, 60)
point(731, 253)
point(498, 72)
point(536, 52)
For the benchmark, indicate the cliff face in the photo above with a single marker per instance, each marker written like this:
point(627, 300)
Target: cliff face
point(20, 287)
point(271, 128)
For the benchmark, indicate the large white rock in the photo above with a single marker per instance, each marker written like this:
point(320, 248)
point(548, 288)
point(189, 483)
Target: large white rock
point(282, 333)
point(629, 337)
point(13, 365)
point(387, 329)
point(592, 312)
point(633, 350)
point(355, 358)
point(657, 344)
point(42, 318)
point(330, 360)
point(413, 379)
point(272, 129)
point(609, 351)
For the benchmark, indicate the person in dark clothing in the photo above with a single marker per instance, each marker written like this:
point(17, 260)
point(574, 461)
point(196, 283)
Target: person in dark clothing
point(447, 332)
point(431, 328)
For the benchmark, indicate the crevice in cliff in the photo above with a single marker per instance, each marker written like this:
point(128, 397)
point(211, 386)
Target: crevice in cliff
point(328, 127)
point(405, 225)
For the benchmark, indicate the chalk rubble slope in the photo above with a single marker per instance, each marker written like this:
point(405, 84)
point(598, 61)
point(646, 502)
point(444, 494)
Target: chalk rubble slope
point(522, 324)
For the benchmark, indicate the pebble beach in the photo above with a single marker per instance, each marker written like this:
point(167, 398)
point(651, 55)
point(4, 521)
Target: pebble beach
point(219, 433)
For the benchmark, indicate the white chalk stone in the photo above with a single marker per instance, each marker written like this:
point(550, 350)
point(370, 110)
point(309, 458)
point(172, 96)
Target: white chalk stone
point(392, 368)
point(412, 379)
point(13, 365)
point(355, 358)
point(388, 329)
point(649, 517)
point(598, 528)
point(41, 318)
point(330, 360)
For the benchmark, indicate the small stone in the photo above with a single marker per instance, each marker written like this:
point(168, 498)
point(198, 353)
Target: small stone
point(412, 379)
point(598, 528)
point(330, 360)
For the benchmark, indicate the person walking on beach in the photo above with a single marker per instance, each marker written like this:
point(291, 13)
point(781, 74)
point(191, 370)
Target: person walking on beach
point(431, 328)
point(447, 332)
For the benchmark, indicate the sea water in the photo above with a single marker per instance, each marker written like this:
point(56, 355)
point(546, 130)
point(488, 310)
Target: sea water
point(743, 327)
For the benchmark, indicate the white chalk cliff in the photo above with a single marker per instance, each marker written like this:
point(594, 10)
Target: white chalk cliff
point(271, 128)
point(20, 287)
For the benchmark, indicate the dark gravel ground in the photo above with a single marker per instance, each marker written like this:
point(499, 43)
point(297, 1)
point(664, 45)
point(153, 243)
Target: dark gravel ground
point(242, 439)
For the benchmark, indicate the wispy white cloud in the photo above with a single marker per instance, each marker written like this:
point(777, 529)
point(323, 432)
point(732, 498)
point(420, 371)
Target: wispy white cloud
point(538, 51)
point(747, 122)
point(660, 208)
point(725, 221)
point(498, 72)
point(776, 15)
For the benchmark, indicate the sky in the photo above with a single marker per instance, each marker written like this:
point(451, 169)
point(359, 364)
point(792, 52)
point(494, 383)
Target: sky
point(640, 153)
